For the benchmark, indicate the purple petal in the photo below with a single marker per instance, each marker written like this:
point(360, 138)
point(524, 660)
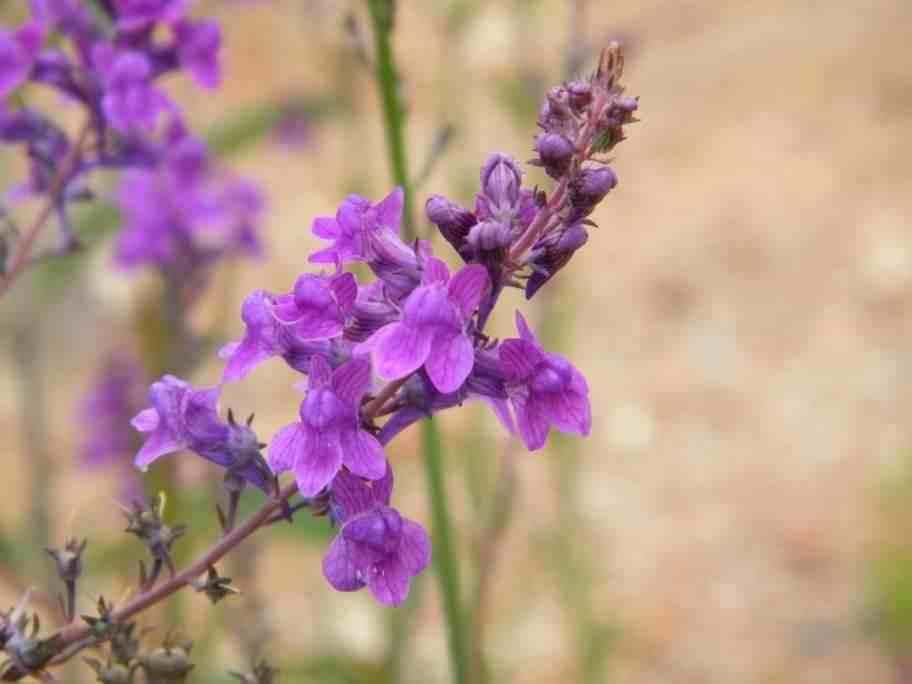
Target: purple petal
point(362, 454)
point(352, 495)
point(401, 350)
point(329, 255)
point(157, 444)
point(533, 426)
point(325, 227)
point(286, 446)
point(467, 287)
point(519, 358)
point(340, 566)
point(568, 411)
point(379, 531)
point(345, 289)
point(389, 209)
point(501, 409)
point(435, 271)
point(415, 547)
point(389, 581)
point(524, 332)
point(316, 467)
point(352, 380)
point(450, 360)
point(319, 371)
point(146, 420)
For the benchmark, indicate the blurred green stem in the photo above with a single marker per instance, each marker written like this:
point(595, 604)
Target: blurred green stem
point(382, 17)
point(445, 560)
point(33, 405)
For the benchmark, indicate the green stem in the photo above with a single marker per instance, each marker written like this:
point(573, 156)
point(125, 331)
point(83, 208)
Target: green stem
point(446, 563)
point(382, 15)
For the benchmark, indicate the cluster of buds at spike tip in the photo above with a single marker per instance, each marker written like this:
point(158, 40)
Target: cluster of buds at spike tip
point(68, 561)
point(169, 664)
point(147, 524)
point(522, 234)
point(262, 673)
point(26, 652)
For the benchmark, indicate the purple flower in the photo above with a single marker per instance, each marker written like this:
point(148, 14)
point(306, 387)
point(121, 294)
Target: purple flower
point(544, 389)
point(140, 14)
point(198, 45)
point(130, 100)
point(357, 227)
point(365, 232)
point(329, 434)
point(18, 51)
point(433, 329)
point(266, 337)
point(177, 216)
point(376, 546)
point(182, 417)
point(318, 307)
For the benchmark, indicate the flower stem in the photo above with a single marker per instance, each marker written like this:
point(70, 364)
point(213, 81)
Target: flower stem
point(74, 638)
point(23, 249)
point(382, 17)
point(445, 561)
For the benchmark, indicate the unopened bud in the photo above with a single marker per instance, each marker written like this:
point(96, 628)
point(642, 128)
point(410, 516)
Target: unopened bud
point(555, 153)
point(500, 181)
point(590, 187)
point(453, 221)
point(490, 236)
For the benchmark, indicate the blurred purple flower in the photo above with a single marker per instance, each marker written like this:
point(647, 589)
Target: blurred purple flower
point(106, 410)
point(198, 45)
point(376, 547)
point(178, 216)
point(18, 51)
point(140, 14)
point(433, 329)
point(329, 434)
point(130, 101)
point(544, 389)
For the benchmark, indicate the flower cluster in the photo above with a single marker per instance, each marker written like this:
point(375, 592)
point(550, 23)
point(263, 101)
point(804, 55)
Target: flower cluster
point(411, 342)
point(180, 211)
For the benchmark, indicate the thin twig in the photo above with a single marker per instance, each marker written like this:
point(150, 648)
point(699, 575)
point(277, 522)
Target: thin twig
point(74, 634)
point(24, 245)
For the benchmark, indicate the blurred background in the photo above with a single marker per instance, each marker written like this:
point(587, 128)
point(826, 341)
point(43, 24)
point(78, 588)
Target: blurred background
point(743, 314)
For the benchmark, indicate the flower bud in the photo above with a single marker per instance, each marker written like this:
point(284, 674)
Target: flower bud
point(589, 188)
point(500, 181)
point(552, 253)
point(490, 236)
point(452, 220)
point(580, 94)
point(555, 153)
